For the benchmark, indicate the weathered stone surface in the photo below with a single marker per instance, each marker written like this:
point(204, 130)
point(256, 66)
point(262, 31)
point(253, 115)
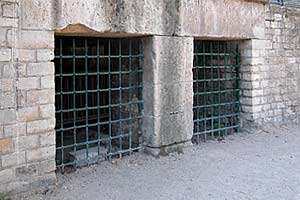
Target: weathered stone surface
point(40, 154)
point(6, 176)
point(168, 92)
point(28, 114)
point(209, 19)
point(7, 116)
point(7, 100)
point(17, 129)
point(36, 97)
point(28, 39)
point(169, 59)
point(37, 14)
point(5, 54)
point(6, 146)
point(40, 126)
point(187, 17)
point(167, 99)
point(28, 83)
point(40, 69)
point(14, 159)
point(167, 130)
point(27, 142)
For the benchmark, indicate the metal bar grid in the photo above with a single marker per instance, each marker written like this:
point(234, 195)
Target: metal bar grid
point(216, 84)
point(98, 99)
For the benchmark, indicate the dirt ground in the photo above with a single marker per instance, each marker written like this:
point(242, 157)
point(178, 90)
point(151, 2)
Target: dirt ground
point(263, 165)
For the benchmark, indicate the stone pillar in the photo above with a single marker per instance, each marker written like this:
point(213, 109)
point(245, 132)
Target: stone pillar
point(168, 94)
point(253, 71)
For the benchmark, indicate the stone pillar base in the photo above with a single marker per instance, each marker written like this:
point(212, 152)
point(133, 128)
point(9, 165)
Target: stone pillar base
point(166, 150)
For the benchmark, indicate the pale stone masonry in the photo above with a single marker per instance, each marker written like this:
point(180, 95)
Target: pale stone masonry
point(269, 40)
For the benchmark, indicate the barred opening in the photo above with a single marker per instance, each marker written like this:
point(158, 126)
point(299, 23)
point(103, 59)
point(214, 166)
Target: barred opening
point(216, 87)
point(98, 99)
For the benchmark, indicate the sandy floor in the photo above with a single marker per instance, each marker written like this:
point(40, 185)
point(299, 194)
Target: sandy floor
point(264, 165)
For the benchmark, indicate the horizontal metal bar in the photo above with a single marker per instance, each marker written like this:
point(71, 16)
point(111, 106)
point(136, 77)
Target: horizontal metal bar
point(98, 124)
point(100, 90)
point(97, 107)
point(215, 80)
point(97, 73)
point(216, 92)
point(215, 105)
point(216, 130)
point(216, 117)
point(90, 56)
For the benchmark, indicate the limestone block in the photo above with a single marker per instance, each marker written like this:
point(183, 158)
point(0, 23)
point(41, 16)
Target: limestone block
point(167, 99)
point(6, 84)
point(7, 100)
point(167, 59)
point(35, 97)
point(13, 159)
point(30, 83)
point(8, 70)
point(8, 22)
point(9, 10)
point(40, 69)
point(47, 82)
point(215, 18)
point(7, 116)
point(6, 176)
point(45, 55)
point(28, 39)
point(47, 111)
point(48, 139)
point(167, 130)
point(26, 55)
point(37, 14)
point(6, 146)
point(41, 154)
point(5, 54)
point(27, 142)
point(40, 126)
point(28, 114)
point(17, 129)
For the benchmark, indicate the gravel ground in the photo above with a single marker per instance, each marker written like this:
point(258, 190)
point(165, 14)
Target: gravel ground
point(264, 165)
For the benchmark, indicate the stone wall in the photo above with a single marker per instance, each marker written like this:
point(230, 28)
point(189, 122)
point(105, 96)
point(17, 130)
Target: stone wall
point(269, 39)
point(271, 74)
point(27, 139)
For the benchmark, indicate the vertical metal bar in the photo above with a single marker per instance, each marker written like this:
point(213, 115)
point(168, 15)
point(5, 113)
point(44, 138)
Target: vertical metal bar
point(74, 94)
point(86, 101)
point(225, 84)
point(232, 88)
point(109, 97)
point(130, 94)
point(98, 98)
point(197, 69)
point(219, 91)
point(120, 98)
point(61, 104)
point(204, 91)
point(238, 76)
point(211, 82)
